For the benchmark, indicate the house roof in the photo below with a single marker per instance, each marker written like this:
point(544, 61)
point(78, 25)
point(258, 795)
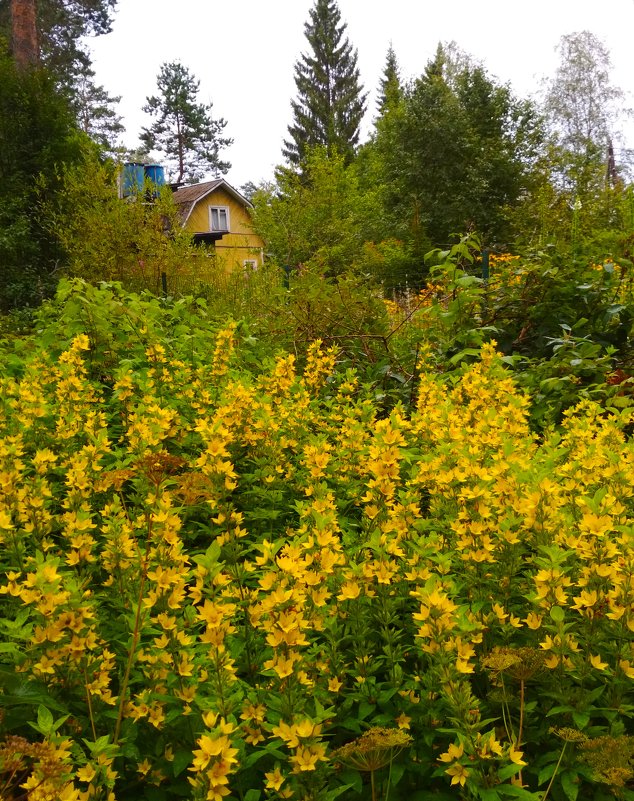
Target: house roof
point(188, 196)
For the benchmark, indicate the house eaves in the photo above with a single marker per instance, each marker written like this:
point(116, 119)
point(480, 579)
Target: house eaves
point(189, 196)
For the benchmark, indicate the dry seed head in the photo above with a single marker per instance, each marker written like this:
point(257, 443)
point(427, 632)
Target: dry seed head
point(568, 734)
point(611, 759)
point(518, 663)
point(375, 748)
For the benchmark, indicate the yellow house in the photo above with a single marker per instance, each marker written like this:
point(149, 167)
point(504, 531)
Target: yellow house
point(217, 214)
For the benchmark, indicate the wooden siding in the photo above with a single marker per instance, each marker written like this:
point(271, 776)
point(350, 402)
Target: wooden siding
point(241, 243)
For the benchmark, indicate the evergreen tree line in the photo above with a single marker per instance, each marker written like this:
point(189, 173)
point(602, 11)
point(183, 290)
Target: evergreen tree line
point(451, 151)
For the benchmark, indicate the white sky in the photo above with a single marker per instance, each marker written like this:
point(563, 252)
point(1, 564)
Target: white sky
point(243, 52)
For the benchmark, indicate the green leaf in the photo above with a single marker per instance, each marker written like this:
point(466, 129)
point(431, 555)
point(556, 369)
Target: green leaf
point(352, 779)
point(581, 719)
point(252, 795)
point(44, 720)
point(181, 761)
point(365, 709)
point(488, 793)
point(513, 791)
point(508, 770)
point(396, 773)
point(570, 784)
point(557, 614)
point(546, 773)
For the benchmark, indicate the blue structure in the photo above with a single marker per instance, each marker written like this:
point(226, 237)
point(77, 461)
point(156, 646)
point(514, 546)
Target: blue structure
point(134, 178)
point(155, 173)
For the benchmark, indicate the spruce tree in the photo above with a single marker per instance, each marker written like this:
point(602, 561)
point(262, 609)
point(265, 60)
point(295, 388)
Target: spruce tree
point(330, 102)
point(390, 89)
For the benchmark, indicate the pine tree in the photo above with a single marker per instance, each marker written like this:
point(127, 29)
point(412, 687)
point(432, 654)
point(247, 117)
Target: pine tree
point(390, 89)
point(54, 31)
point(184, 129)
point(330, 103)
point(24, 40)
point(96, 115)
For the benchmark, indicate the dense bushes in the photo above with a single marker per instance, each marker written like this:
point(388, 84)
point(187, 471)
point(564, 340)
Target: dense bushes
point(227, 577)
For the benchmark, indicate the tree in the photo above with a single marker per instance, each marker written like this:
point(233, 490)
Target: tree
point(56, 30)
point(24, 40)
point(390, 89)
point(330, 103)
point(51, 33)
point(313, 217)
point(454, 154)
point(106, 239)
point(184, 129)
point(38, 135)
point(96, 115)
point(581, 106)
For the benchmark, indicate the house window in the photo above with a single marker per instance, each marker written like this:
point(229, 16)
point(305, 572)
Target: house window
point(218, 218)
point(250, 265)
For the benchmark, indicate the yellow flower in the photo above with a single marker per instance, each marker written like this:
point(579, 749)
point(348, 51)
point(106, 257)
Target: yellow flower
point(87, 773)
point(458, 773)
point(274, 779)
point(627, 668)
point(516, 756)
point(533, 621)
point(453, 752)
point(306, 758)
point(596, 662)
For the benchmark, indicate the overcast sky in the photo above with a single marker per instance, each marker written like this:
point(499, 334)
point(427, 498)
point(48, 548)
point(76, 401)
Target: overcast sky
point(243, 53)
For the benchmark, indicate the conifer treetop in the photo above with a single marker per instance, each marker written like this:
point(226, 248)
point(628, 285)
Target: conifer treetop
point(330, 103)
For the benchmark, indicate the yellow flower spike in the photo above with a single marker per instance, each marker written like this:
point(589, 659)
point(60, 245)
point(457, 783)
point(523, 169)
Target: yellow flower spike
point(349, 591)
point(306, 757)
point(286, 733)
point(533, 621)
point(210, 719)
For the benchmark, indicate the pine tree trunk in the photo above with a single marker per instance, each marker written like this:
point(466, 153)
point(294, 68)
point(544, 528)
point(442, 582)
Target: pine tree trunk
point(24, 32)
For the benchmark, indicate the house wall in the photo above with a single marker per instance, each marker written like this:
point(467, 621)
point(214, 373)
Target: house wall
point(241, 243)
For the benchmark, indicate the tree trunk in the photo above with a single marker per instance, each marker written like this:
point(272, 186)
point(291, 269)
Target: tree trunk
point(24, 33)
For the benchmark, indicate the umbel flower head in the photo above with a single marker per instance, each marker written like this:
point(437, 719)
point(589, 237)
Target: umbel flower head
point(519, 663)
point(375, 748)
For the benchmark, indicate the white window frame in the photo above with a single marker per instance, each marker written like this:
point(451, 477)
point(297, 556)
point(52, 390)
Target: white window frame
point(250, 265)
point(225, 210)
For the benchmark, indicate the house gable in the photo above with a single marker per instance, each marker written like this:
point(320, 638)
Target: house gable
point(240, 245)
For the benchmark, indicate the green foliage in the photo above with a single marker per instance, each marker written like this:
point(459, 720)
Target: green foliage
point(453, 155)
point(106, 238)
point(184, 129)
point(315, 218)
point(222, 572)
point(330, 103)
point(390, 88)
point(63, 26)
point(38, 135)
point(95, 114)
